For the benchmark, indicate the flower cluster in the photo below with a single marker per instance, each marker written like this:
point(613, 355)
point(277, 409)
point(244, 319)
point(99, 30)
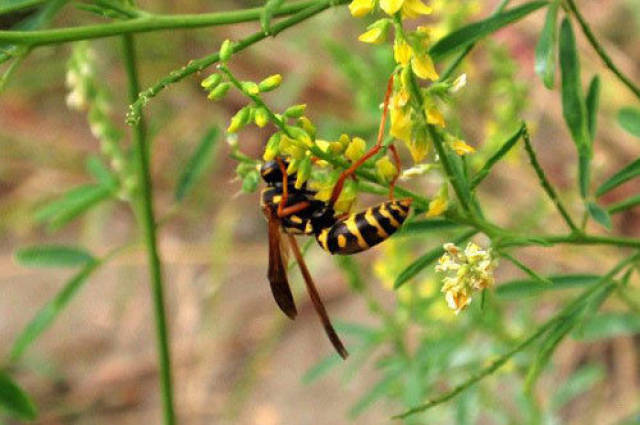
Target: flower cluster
point(86, 94)
point(469, 271)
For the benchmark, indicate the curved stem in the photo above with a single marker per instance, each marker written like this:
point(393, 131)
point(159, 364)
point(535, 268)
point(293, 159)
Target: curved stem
point(148, 223)
point(135, 109)
point(600, 50)
point(146, 24)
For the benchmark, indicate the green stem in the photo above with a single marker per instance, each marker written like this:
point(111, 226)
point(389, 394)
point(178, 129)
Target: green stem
point(148, 223)
point(135, 109)
point(458, 59)
point(545, 183)
point(497, 364)
point(149, 23)
point(600, 50)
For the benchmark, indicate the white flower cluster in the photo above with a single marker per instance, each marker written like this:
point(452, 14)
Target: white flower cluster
point(80, 75)
point(468, 271)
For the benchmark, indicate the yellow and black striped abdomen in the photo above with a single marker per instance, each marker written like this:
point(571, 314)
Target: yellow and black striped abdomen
point(359, 232)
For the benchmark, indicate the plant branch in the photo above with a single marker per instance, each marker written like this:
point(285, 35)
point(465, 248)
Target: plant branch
point(600, 50)
point(148, 224)
point(498, 363)
point(135, 109)
point(149, 23)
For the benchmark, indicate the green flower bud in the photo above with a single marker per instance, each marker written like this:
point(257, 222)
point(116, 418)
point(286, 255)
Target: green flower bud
point(220, 91)
point(270, 83)
point(292, 148)
point(300, 135)
point(295, 111)
point(344, 140)
point(250, 87)
point(226, 50)
point(273, 147)
point(250, 182)
point(261, 117)
point(293, 166)
point(240, 119)
point(356, 149)
point(212, 81)
point(304, 172)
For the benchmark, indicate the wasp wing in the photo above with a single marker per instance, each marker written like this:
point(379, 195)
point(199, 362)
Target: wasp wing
point(317, 301)
point(277, 273)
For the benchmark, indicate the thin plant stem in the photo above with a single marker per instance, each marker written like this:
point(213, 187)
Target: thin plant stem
point(135, 109)
point(449, 70)
point(148, 224)
point(600, 50)
point(498, 363)
point(149, 23)
point(546, 185)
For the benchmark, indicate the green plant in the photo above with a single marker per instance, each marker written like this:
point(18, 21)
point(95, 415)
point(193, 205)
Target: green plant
point(421, 118)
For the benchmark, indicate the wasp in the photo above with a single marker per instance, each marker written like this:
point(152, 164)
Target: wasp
point(295, 211)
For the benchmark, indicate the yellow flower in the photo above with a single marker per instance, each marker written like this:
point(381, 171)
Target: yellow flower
point(423, 66)
point(359, 8)
point(375, 35)
point(457, 299)
point(419, 146)
point(461, 148)
point(401, 51)
point(437, 206)
point(385, 169)
point(400, 124)
point(356, 149)
point(434, 116)
point(391, 6)
point(414, 8)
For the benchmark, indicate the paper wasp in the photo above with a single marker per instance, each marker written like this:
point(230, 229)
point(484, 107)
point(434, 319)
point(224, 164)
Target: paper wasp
point(294, 211)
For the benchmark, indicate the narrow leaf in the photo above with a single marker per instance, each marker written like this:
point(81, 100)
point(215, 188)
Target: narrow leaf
point(416, 227)
point(267, 13)
point(527, 270)
point(101, 173)
point(545, 64)
point(15, 400)
point(599, 214)
point(53, 256)
point(581, 381)
point(321, 368)
point(593, 101)
point(425, 260)
point(71, 204)
point(45, 317)
point(629, 119)
point(609, 325)
point(477, 30)
point(627, 173)
point(375, 393)
point(516, 289)
point(493, 159)
point(624, 204)
point(197, 164)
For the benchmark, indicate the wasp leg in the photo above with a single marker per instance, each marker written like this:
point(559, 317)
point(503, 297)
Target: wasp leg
point(337, 189)
point(292, 209)
point(317, 302)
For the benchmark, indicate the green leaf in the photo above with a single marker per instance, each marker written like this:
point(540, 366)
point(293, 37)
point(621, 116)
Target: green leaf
point(516, 289)
point(532, 273)
point(593, 101)
point(624, 204)
point(580, 382)
point(197, 164)
point(609, 325)
point(425, 260)
point(101, 173)
point(375, 393)
point(322, 368)
point(502, 151)
point(45, 317)
point(15, 400)
point(53, 256)
point(415, 227)
point(599, 214)
point(627, 173)
point(545, 64)
point(629, 119)
point(477, 30)
point(267, 13)
point(574, 108)
point(73, 203)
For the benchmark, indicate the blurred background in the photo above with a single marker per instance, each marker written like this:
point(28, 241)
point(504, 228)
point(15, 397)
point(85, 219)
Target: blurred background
point(237, 359)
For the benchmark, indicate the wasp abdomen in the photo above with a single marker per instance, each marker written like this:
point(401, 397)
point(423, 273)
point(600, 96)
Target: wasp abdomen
point(359, 232)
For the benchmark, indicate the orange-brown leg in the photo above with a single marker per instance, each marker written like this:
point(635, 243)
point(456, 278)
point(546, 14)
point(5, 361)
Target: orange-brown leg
point(337, 189)
point(291, 209)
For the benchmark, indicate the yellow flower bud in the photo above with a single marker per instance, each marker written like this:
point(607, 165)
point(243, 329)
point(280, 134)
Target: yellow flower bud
point(291, 148)
point(400, 124)
point(414, 8)
point(419, 145)
point(295, 111)
point(391, 6)
point(360, 8)
point(375, 35)
point(385, 169)
point(211, 81)
point(250, 87)
point(423, 67)
point(270, 83)
point(226, 50)
point(239, 120)
point(434, 116)
point(306, 124)
point(261, 117)
point(344, 140)
point(437, 206)
point(304, 172)
point(300, 136)
point(219, 92)
point(293, 166)
point(356, 149)
point(401, 51)
point(461, 148)
point(272, 149)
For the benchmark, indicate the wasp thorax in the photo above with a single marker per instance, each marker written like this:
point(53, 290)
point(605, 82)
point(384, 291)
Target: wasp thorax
point(323, 218)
